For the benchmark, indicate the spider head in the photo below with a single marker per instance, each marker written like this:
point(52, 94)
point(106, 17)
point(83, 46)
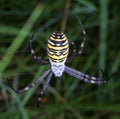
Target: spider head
point(58, 70)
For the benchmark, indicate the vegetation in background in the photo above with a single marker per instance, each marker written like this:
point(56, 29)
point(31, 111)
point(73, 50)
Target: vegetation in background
point(66, 97)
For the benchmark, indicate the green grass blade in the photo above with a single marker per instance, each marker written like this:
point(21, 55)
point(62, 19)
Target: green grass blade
point(20, 38)
point(103, 32)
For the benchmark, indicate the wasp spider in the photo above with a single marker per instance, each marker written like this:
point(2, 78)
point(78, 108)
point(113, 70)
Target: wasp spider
point(57, 51)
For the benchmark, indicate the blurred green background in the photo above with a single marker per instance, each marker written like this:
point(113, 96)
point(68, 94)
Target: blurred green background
point(65, 98)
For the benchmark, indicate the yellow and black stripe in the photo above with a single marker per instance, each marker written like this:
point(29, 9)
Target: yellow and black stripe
point(57, 47)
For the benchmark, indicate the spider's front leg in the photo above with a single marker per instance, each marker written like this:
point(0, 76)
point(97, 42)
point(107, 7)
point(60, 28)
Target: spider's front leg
point(82, 76)
point(32, 84)
point(44, 87)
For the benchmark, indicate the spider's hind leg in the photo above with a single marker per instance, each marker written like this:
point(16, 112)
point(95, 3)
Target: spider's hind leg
point(74, 51)
point(37, 59)
point(77, 53)
point(83, 37)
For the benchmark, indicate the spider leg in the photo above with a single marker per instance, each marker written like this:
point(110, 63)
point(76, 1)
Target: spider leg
point(82, 43)
point(73, 51)
point(32, 84)
point(83, 37)
point(38, 59)
point(108, 77)
point(44, 87)
point(83, 76)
